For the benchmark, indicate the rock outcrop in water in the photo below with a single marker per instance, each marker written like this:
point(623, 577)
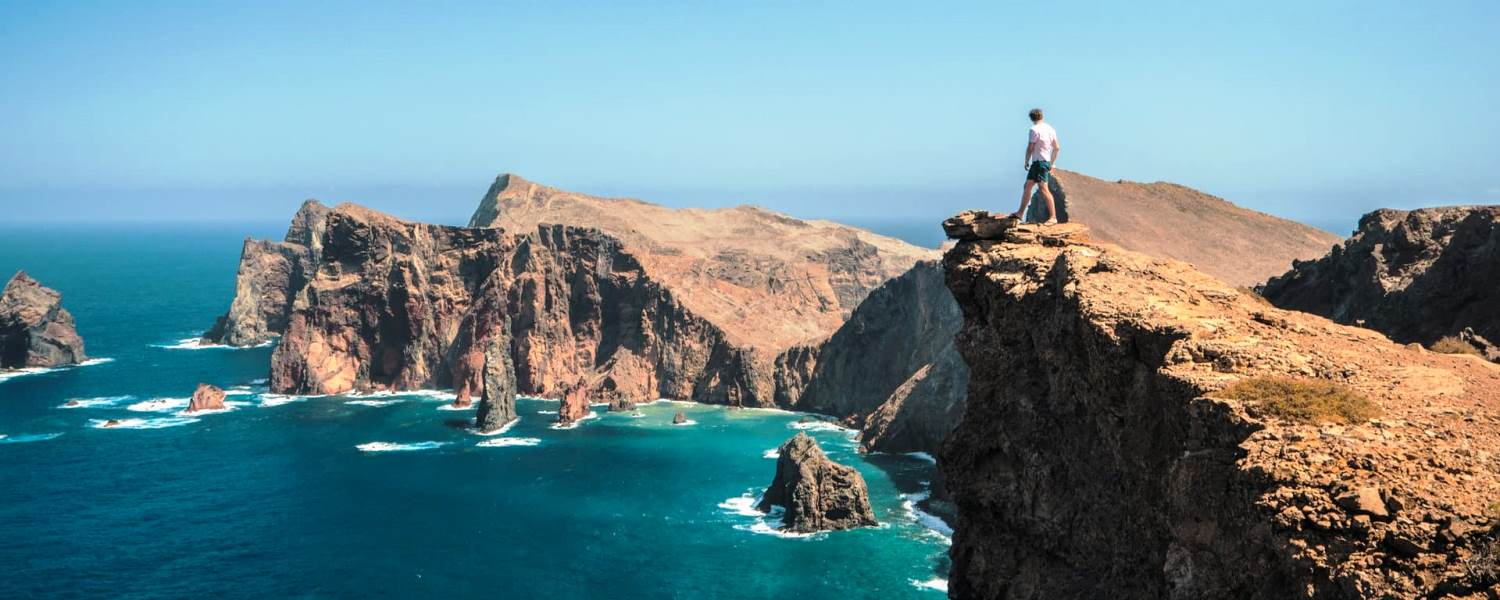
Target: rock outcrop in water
point(1098, 456)
point(35, 330)
point(1416, 276)
point(271, 275)
point(816, 493)
point(206, 397)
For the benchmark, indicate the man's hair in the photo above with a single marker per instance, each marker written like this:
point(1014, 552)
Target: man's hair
point(1036, 115)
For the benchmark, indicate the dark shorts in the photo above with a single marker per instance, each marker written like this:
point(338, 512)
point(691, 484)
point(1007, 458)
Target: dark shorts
point(1040, 171)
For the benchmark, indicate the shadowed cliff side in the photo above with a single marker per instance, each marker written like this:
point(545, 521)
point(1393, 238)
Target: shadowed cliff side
point(1416, 276)
point(1100, 455)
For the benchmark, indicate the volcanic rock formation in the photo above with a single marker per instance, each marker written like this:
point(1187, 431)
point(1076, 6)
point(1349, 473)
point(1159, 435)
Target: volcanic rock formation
point(1415, 276)
point(35, 330)
point(1099, 457)
point(575, 404)
point(206, 397)
point(270, 276)
point(816, 493)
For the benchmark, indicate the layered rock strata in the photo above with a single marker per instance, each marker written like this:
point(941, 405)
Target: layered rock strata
point(1098, 456)
point(815, 493)
point(35, 329)
point(1416, 276)
point(271, 274)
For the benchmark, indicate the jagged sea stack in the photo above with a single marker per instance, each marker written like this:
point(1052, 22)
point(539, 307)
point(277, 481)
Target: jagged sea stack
point(35, 330)
point(816, 493)
point(1102, 455)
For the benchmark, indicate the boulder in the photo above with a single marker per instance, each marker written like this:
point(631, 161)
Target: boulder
point(206, 397)
point(575, 404)
point(815, 493)
point(35, 330)
point(679, 418)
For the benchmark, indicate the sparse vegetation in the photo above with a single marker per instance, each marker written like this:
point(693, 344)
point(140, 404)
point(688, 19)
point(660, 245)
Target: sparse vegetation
point(1453, 345)
point(1302, 400)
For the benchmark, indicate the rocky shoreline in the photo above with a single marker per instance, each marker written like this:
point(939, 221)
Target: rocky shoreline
point(1100, 454)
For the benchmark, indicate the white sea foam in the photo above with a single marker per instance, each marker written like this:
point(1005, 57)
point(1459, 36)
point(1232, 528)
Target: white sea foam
point(773, 453)
point(229, 405)
point(95, 402)
point(546, 412)
point(160, 405)
point(685, 423)
point(503, 428)
point(239, 391)
point(28, 437)
point(396, 447)
point(269, 400)
point(937, 584)
point(506, 442)
point(742, 505)
point(816, 425)
point(196, 343)
point(452, 407)
point(14, 373)
point(924, 518)
point(575, 424)
point(261, 381)
point(158, 423)
point(922, 456)
point(372, 402)
point(761, 523)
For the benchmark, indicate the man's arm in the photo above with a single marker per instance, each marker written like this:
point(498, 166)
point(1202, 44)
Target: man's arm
point(1056, 148)
point(1026, 162)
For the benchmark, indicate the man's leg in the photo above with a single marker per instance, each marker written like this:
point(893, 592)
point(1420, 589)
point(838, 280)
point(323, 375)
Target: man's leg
point(1047, 195)
point(1025, 199)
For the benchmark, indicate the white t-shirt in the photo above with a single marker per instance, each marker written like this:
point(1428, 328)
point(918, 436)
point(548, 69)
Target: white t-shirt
point(1045, 138)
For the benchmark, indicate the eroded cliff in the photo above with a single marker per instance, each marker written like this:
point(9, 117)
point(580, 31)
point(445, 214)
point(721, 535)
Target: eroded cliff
point(1416, 276)
point(1100, 457)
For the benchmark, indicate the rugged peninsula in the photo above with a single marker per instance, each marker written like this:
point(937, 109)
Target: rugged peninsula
point(1416, 276)
point(1106, 451)
point(816, 493)
point(35, 330)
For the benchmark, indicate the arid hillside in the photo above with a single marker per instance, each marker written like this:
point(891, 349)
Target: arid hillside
point(1233, 243)
point(768, 280)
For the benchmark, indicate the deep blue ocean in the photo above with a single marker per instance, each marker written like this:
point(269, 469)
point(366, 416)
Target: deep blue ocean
point(390, 496)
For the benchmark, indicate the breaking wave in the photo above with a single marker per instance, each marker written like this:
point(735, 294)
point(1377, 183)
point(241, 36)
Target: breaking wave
point(743, 506)
point(503, 428)
point(95, 402)
point(575, 424)
point(196, 343)
point(159, 423)
point(14, 373)
point(395, 447)
point(506, 442)
point(936, 584)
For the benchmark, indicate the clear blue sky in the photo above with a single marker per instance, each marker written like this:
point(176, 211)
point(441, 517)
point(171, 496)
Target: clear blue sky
point(209, 110)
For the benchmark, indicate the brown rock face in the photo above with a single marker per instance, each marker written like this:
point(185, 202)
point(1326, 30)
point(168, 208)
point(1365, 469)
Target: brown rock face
point(401, 305)
point(35, 330)
point(270, 276)
point(575, 404)
point(816, 493)
point(1416, 276)
point(206, 397)
point(680, 418)
point(769, 281)
point(1096, 458)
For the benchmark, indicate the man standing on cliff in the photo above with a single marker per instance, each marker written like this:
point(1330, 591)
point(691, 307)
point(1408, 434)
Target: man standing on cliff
point(1041, 154)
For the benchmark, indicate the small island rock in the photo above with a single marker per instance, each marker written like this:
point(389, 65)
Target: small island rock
point(35, 330)
point(206, 397)
point(817, 493)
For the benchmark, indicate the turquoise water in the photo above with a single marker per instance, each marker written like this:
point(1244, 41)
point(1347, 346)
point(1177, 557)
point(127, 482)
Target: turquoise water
point(389, 496)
